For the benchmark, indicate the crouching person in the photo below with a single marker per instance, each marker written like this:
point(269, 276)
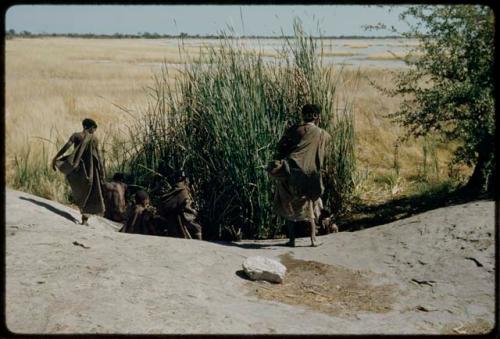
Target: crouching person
point(142, 216)
point(114, 198)
point(324, 219)
point(178, 210)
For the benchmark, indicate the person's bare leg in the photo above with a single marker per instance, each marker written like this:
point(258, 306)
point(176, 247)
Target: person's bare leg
point(197, 229)
point(291, 233)
point(85, 219)
point(312, 227)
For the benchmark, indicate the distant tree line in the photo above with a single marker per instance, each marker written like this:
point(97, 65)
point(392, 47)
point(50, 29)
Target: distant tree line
point(11, 33)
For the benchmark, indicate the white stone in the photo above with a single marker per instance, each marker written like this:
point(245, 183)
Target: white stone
point(262, 268)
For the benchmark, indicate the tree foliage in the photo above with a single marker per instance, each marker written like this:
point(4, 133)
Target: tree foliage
point(449, 86)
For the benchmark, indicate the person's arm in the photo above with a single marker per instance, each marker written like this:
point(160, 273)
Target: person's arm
point(285, 143)
point(187, 203)
point(189, 208)
point(61, 152)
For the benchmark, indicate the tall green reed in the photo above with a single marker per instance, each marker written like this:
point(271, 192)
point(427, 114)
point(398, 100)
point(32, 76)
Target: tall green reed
point(220, 121)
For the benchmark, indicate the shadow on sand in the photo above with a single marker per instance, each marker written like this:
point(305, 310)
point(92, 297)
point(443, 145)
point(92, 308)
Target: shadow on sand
point(251, 245)
point(256, 245)
point(366, 216)
point(52, 209)
point(242, 275)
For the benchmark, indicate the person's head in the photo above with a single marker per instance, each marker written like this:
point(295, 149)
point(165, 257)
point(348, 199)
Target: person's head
point(89, 125)
point(119, 177)
point(142, 198)
point(311, 113)
point(181, 176)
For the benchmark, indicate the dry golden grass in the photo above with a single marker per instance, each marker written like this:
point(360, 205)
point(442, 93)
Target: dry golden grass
point(377, 136)
point(53, 83)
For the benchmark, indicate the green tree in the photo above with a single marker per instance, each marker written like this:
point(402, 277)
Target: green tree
point(449, 87)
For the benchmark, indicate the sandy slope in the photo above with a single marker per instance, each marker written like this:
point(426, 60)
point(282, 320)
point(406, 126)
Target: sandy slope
point(441, 262)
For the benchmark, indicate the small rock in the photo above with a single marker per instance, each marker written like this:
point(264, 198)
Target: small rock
point(262, 268)
point(422, 308)
point(76, 243)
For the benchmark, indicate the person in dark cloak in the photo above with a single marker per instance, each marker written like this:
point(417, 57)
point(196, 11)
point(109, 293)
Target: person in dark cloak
point(84, 170)
point(299, 185)
point(176, 207)
point(141, 220)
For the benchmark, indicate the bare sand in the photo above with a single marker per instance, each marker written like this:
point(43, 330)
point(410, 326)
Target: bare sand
point(432, 273)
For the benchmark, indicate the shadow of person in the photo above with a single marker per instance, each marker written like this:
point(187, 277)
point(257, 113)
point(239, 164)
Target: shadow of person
point(52, 209)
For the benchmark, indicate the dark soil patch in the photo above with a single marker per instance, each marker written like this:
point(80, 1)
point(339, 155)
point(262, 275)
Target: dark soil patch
point(331, 289)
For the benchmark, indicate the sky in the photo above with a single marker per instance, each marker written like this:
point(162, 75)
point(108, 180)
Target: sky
point(265, 20)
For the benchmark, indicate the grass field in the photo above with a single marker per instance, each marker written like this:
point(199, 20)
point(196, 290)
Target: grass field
point(53, 83)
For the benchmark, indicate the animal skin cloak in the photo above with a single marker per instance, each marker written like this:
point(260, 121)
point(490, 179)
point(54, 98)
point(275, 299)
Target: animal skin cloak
point(177, 210)
point(82, 169)
point(297, 193)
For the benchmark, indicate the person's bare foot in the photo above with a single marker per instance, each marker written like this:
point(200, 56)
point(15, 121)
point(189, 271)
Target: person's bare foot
point(316, 243)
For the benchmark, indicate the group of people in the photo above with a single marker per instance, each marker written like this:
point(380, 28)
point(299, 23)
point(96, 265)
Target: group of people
point(175, 215)
point(297, 172)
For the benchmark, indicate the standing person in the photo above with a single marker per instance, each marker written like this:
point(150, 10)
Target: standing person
point(83, 170)
point(177, 208)
point(114, 198)
point(298, 175)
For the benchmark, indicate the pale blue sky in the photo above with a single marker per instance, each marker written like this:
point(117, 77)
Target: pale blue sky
point(200, 19)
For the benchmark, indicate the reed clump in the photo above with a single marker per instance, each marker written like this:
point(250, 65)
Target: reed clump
point(30, 171)
point(220, 122)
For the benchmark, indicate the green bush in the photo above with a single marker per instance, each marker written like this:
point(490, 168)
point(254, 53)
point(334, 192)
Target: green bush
point(220, 122)
point(449, 89)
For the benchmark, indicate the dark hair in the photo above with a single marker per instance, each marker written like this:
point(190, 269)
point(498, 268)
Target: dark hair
point(88, 123)
point(179, 176)
point(141, 196)
point(119, 177)
point(309, 110)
